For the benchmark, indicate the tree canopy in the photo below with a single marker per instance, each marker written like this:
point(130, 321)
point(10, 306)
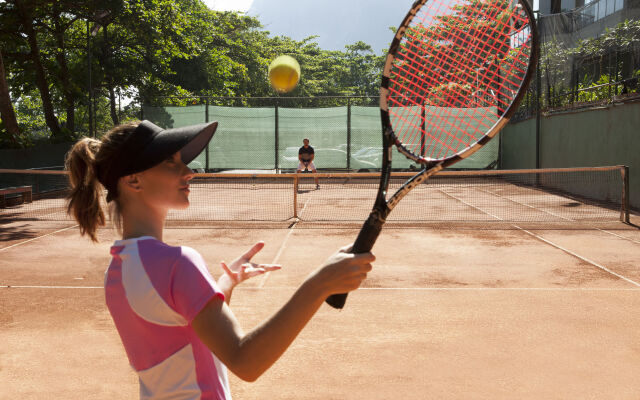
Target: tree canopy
point(146, 51)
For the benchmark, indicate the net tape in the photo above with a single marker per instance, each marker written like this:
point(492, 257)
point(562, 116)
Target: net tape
point(556, 195)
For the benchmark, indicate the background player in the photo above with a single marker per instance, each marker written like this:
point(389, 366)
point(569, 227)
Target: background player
point(306, 155)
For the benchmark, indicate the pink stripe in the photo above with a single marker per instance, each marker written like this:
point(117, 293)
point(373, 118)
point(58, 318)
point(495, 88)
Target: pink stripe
point(146, 344)
point(206, 372)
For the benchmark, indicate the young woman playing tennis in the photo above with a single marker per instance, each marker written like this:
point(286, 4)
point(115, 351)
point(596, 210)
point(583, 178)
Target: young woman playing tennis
point(173, 318)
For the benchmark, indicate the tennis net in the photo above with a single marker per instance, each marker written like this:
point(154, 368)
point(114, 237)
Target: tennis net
point(555, 195)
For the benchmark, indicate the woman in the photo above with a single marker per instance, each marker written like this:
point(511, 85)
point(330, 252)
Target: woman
point(174, 320)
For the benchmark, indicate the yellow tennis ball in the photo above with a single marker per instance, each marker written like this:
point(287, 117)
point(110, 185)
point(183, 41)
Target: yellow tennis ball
point(284, 73)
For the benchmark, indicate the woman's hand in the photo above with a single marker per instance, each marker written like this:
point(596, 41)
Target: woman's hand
point(248, 356)
point(343, 271)
point(241, 269)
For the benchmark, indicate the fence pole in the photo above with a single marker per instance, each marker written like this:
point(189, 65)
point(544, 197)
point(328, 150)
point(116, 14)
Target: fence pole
point(348, 133)
point(610, 76)
point(206, 119)
point(276, 138)
point(538, 112)
point(423, 126)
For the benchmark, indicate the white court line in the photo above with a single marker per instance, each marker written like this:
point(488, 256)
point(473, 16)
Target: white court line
point(48, 287)
point(556, 215)
point(408, 289)
point(282, 247)
point(602, 267)
point(38, 237)
point(278, 254)
point(595, 264)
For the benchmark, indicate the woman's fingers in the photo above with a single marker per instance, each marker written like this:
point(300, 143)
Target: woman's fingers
point(344, 272)
point(366, 258)
point(346, 249)
point(252, 251)
point(225, 268)
point(268, 267)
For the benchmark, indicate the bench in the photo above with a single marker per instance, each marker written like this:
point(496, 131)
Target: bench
point(23, 191)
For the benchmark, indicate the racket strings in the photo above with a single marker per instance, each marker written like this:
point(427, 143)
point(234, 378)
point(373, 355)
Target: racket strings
point(448, 49)
point(449, 60)
point(418, 37)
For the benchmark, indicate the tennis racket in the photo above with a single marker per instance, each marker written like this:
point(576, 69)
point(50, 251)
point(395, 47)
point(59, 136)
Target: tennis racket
point(453, 77)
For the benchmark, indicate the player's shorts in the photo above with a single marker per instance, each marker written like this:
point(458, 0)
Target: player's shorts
point(309, 166)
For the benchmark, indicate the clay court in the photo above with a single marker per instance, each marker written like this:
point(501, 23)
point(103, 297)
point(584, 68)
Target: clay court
point(481, 310)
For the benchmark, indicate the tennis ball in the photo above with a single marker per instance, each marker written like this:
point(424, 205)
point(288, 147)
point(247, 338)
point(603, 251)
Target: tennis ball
point(284, 73)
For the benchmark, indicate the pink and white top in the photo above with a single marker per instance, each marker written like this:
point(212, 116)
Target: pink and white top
point(153, 292)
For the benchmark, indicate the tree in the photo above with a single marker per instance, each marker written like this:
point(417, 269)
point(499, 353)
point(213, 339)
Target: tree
point(26, 14)
point(150, 50)
point(6, 109)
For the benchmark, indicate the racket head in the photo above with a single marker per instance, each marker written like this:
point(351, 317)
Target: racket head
point(454, 75)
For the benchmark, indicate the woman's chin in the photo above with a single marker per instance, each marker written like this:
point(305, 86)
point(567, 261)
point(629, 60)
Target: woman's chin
point(181, 204)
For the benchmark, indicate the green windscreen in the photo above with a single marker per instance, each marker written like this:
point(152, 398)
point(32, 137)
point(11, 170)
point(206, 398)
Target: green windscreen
point(347, 137)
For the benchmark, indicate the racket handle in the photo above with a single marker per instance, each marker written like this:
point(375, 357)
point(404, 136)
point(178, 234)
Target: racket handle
point(363, 244)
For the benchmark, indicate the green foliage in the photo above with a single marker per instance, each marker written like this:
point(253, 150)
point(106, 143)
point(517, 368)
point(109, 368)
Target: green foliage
point(624, 37)
point(592, 91)
point(148, 50)
point(603, 60)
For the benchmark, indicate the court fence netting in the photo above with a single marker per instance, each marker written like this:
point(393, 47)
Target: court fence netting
point(589, 57)
point(265, 133)
point(566, 195)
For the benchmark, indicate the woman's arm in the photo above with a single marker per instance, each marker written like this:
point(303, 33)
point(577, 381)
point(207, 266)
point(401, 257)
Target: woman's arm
point(250, 355)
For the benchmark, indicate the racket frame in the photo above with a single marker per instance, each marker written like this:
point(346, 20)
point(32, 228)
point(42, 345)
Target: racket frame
point(382, 207)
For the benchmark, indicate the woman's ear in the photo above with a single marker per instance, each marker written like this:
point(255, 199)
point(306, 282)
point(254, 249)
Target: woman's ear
point(132, 182)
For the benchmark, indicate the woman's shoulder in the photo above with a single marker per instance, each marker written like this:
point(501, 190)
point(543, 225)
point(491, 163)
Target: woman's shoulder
point(150, 248)
point(178, 253)
point(188, 254)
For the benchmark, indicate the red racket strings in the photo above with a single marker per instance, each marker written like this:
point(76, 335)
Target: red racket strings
point(456, 71)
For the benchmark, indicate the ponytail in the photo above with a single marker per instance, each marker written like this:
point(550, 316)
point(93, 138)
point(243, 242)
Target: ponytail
point(86, 192)
point(86, 200)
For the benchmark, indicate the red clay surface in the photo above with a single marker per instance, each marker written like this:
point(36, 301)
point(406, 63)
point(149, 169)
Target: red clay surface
point(460, 313)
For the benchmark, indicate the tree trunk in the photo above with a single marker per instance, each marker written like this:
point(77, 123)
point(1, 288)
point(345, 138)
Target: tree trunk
point(109, 77)
point(67, 91)
point(41, 78)
point(6, 108)
point(112, 102)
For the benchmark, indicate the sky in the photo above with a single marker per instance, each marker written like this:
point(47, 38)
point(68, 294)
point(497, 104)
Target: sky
point(332, 21)
point(228, 5)
point(244, 5)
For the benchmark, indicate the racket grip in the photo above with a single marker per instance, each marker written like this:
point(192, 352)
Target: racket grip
point(363, 244)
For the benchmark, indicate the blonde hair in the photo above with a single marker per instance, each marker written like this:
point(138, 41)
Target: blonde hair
point(84, 161)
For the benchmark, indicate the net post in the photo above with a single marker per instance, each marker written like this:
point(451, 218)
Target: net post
point(295, 196)
point(624, 207)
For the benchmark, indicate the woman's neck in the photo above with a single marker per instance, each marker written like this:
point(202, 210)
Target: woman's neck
point(142, 221)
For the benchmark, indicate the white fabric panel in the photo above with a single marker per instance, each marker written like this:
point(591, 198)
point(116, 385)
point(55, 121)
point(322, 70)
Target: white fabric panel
point(175, 377)
point(141, 294)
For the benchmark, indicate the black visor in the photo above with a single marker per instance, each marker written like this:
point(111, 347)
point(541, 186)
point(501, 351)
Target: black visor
point(148, 145)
